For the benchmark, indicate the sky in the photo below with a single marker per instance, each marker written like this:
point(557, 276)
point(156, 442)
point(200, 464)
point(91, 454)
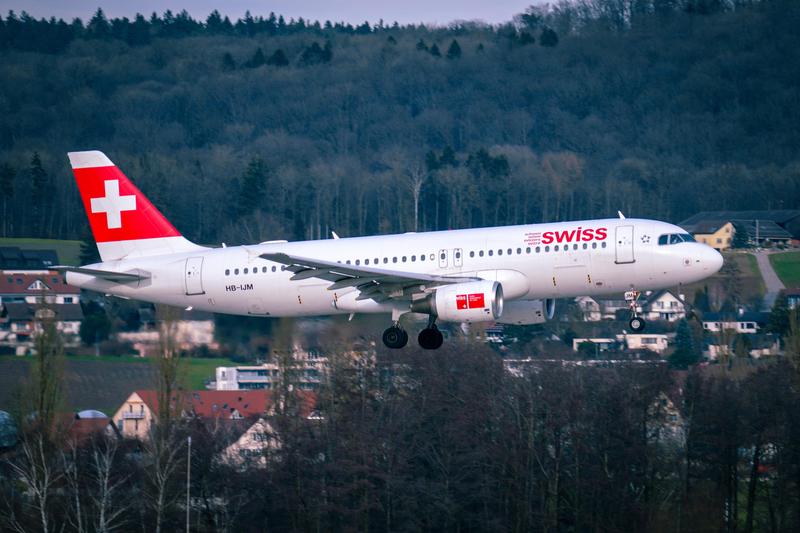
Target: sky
point(438, 12)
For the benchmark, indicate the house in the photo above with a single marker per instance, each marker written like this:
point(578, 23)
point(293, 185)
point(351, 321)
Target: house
point(664, 305)
point(590, 308)
point(136, 415)
point(14, 258)
point(255, 445)
point(191, 330)
point(716, 233)
point(759, 225)
point(758, 345)
point(306, 375)
point(792, 297)
point(742, 322)
point(655, 342)
point(36, 287)
point(19, 322)
point(610, 308)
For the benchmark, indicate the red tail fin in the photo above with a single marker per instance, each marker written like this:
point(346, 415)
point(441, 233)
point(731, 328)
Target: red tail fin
point(123, 220)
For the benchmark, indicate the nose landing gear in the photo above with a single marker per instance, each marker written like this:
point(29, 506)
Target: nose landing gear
point(636, 322)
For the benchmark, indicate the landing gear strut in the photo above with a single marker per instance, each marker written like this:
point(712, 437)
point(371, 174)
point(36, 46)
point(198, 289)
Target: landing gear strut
point(430, 338)
point(636, 322)
point(395, 337)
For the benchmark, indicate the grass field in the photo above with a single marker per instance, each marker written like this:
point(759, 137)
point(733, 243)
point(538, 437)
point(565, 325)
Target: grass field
point(101, 382)
point(787, 266)
point(68, 251)
point(750, 282)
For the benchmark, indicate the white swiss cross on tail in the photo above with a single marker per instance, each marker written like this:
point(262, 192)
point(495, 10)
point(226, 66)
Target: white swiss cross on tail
point(113, 204)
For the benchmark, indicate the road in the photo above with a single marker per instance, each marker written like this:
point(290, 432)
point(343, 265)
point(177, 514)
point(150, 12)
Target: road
point(772, 282)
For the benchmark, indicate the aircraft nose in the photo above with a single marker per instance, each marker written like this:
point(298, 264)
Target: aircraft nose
point(711, 260)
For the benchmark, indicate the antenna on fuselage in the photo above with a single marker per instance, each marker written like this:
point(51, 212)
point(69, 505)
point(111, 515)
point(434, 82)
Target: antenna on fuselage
point(334, 235)
point(621, 215)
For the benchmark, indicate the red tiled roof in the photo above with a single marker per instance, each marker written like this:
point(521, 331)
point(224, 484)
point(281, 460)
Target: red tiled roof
point(16, 283)
point(214, 403)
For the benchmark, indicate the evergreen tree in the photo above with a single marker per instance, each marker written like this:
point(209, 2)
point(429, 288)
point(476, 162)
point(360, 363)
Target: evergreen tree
point(257, 60)
point(740, 239)
point(526, 38)
point(278, 59)
point(778, 322)
point(422, 46)
point(686, 353)
point(701, 302)
point(98, 26)
point(548, 37)
point(7, 175)
point(254, 182)
point(480, 48)
point(435, 51)
point(88, 251)
point(454, 51)
point(327, 52)
point(40, 192)
point(228, 62)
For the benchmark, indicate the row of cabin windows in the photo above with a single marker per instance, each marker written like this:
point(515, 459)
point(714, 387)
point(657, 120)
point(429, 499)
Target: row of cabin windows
point(443, 256)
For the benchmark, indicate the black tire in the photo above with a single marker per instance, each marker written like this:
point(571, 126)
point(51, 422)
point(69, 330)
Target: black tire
point(636, 324)
point(430, 338)
point(395, 338)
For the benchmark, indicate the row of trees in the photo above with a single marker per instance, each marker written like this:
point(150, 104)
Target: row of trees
point(368, 134)
point(448, 443)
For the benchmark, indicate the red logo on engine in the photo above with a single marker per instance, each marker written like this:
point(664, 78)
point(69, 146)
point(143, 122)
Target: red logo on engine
point(470, 301)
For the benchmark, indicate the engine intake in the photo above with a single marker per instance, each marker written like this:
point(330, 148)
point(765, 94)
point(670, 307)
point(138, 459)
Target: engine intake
point(475, 301)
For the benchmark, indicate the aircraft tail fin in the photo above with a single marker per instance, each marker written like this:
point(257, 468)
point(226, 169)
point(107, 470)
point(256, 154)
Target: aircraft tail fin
point(124, 222)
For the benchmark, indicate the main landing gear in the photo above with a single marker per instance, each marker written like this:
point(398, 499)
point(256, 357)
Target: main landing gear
point(636, 322)
point(429, 338)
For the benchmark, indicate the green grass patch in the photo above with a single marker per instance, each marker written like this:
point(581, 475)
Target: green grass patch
point(68, 252)
point(787, 267)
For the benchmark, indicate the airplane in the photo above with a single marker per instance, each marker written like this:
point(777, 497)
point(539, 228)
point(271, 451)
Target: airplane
point(508, 275)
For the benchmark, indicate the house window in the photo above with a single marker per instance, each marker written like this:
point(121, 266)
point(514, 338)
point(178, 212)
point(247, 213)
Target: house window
point(68, 299)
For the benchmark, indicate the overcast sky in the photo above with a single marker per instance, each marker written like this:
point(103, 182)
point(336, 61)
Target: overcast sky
point(354, 11)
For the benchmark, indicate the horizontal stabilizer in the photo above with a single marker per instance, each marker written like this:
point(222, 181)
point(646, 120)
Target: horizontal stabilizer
point(108, 275)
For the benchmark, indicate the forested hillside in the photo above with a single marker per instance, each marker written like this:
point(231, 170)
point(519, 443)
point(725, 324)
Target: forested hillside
point(264, 128)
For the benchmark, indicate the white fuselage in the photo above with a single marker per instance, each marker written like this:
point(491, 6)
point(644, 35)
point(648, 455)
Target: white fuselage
point(236, 280)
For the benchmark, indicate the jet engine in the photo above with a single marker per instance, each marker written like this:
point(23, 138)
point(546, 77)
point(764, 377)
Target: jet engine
point(474, 301)
point(524, 312)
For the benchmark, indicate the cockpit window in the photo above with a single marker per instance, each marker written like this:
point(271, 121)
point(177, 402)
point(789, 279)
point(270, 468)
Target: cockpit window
point(675, 238)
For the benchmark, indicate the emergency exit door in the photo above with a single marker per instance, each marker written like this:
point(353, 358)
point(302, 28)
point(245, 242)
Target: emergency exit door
point(194, 276)
point(624, 244)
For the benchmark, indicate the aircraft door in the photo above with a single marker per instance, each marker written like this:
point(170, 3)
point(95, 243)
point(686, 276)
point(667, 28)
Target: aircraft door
point(194, 276)
point(458, 260)
point(442, 258)
point(624, 245)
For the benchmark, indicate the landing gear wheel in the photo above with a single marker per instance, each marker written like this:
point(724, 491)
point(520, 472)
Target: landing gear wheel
point(395, 338)
point(430, 338)
point(636, 324)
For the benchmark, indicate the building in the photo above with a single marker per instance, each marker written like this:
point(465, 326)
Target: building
point(590, 309)
point(716, 233)
point(14, 258)
point(776, 226)
point(191, 331)
point(792, 297)
point(27, 297)
point(36, 287)
point(306, 375)
point(758, 345)
point(136, 415)
point(743, 322)
point(655, 342)
point(664, 305)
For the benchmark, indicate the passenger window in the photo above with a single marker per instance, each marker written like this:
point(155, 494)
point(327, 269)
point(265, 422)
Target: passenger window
point(236, 271)
point(274, 269)
point(500, 252)
point(510, 251)
point(528, 250)
point(366, 261)
point(574, 246)
point(376, 260)
point(347, 262)
point(491, 253)
point(413, 258)
point(480, 253)
point(245, 271)
point(263, 270)
point(458, 255)
point(519, 251)
point(472, 254)
point(546, 248)
point(594, 245)
point(404, 259)
point(442, 256)
point(227, 271)
point(385, 260)
point(422, 257)
point(603, 245)
point(555, 248)
point(538, 249)
point(394, 260)
point(585, 246)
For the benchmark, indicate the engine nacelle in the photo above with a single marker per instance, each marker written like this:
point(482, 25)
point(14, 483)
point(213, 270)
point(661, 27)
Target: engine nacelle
point(524, 312)
point(474, 301)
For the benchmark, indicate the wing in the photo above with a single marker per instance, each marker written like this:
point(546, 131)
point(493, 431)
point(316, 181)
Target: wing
point(373, 283)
